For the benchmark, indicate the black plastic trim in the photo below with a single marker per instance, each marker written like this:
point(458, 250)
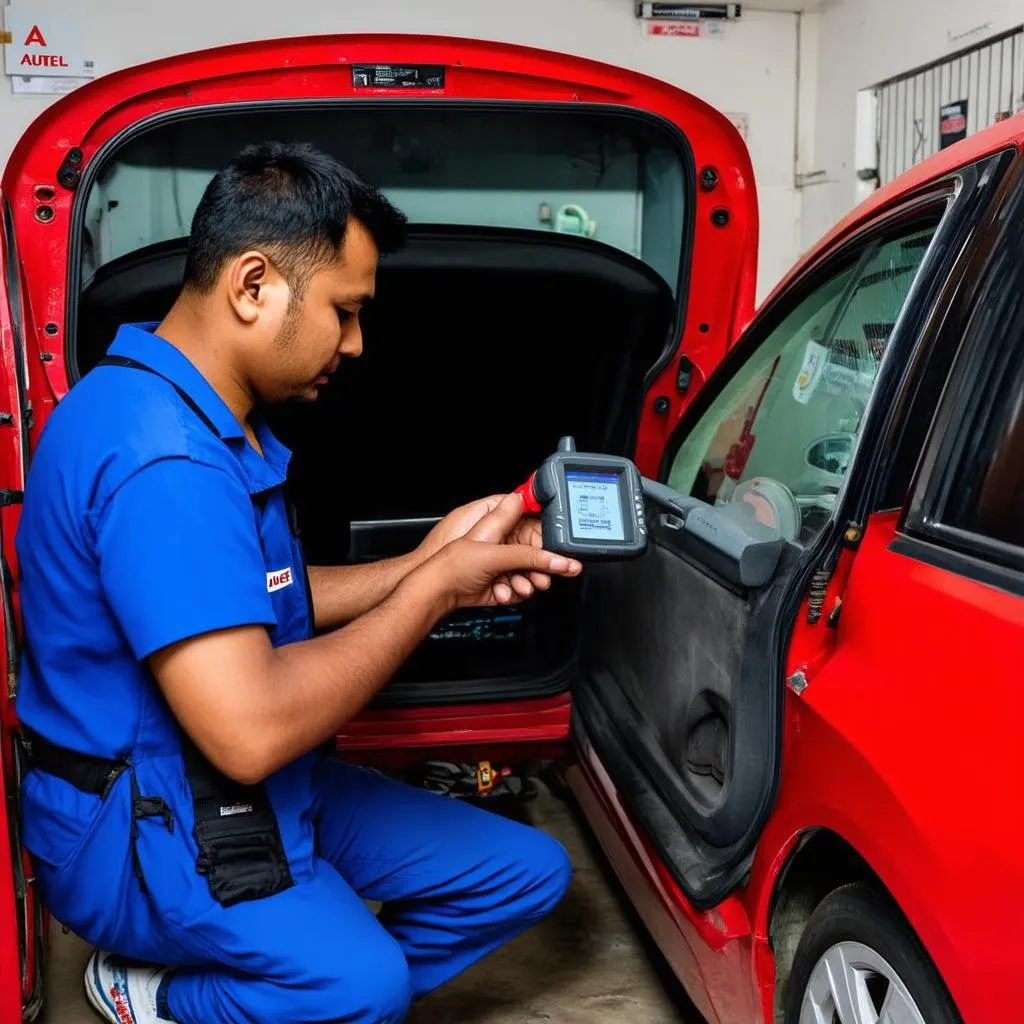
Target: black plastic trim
point(13, 284)
point(724, 866)
point(923, 342)
point(705, 883)
point(986, 363)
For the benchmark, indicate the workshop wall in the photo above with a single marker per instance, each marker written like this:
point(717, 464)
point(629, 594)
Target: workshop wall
point(861, 43)
point(751, 70)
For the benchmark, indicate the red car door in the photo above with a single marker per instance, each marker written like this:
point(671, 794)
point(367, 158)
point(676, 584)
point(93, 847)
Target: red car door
point(94, 249)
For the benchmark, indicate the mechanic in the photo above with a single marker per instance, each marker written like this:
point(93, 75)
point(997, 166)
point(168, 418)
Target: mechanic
point(181, 684)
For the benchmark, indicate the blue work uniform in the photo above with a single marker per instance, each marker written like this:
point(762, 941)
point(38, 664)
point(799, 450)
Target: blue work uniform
point(148, 519)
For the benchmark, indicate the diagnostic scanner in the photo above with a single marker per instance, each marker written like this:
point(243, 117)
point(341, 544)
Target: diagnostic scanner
point(591, 506)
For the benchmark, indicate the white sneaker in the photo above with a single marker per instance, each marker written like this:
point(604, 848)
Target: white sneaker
point(121, 991)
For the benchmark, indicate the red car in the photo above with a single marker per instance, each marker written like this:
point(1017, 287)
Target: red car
point(811, 790)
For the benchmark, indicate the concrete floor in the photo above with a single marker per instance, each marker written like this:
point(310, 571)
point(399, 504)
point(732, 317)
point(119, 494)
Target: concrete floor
point(585, 964)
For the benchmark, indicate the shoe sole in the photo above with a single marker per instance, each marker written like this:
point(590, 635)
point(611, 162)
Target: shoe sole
point(95, 1000)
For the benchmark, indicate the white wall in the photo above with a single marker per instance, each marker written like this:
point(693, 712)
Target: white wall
point(752, 70)
point(862, 42)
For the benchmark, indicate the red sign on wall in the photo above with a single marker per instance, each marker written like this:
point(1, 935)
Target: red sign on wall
point(673, 28)
point(952, 123)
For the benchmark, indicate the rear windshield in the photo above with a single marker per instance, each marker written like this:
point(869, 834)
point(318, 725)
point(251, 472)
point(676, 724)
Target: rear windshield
point(613, 179)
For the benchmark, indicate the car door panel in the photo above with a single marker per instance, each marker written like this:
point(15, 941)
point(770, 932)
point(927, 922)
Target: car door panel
point(671, 640)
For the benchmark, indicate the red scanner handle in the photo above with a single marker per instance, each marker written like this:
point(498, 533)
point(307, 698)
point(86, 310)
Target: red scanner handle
point(531, 506)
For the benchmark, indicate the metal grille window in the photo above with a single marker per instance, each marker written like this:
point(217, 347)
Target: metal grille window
point(922, 111)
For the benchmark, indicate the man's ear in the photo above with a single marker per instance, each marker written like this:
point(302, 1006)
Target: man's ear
point(250, 280)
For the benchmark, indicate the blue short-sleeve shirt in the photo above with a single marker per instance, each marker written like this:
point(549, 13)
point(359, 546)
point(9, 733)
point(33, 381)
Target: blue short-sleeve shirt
point(148, 519)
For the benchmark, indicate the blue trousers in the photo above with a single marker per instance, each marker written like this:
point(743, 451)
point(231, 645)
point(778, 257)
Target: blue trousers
point(456, 883)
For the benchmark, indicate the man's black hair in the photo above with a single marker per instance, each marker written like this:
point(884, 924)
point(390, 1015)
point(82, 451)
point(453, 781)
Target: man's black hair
point(290, 201)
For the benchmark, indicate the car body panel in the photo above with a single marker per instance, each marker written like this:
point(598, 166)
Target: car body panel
point(16, 983)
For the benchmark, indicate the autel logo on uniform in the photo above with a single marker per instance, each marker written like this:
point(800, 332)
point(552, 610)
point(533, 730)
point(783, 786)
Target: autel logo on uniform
point(279, 578)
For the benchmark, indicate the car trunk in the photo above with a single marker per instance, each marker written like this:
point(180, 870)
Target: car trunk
point(487, 341)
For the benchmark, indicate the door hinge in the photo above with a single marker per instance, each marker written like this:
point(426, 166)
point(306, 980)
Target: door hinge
point(11, 498)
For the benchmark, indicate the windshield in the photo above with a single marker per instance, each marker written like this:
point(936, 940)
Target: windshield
point(615, 179)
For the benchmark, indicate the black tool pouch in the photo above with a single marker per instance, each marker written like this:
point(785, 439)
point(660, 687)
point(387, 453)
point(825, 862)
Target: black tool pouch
point(240, 848)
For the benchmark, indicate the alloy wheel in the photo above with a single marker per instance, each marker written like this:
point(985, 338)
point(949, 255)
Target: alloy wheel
point(853, 984)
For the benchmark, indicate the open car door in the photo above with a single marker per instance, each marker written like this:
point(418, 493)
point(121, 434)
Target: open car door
point(679, 708)
point(582, 254)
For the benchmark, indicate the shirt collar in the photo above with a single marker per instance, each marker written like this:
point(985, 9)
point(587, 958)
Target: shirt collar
point(138, 342)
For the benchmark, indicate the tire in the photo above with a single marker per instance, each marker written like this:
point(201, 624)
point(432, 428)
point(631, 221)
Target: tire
point(868, 943)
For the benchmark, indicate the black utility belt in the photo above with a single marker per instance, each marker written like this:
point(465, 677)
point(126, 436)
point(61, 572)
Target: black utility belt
point(85, 772)
point(236, 831)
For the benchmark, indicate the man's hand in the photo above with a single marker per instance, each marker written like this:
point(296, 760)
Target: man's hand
point(460, 521)
point(455, 525)
point(490, 564)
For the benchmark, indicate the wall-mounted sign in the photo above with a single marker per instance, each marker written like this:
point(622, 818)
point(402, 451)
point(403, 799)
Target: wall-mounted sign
point(42, 43)
point(688, 29)
point(952, 123)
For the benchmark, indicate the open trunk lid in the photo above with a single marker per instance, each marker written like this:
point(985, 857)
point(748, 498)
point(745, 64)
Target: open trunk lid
point(57, 163)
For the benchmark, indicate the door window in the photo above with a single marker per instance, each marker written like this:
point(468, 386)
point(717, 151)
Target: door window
point(783, 429)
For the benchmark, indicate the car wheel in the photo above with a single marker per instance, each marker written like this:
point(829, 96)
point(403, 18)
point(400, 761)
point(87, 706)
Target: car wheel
point(859, 962)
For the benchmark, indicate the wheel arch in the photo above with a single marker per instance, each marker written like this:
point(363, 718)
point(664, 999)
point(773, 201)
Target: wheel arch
point(820, 862)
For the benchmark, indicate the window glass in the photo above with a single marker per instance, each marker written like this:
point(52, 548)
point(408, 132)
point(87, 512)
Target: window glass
point(608, 178)
point(987, 495)
point(791, 414)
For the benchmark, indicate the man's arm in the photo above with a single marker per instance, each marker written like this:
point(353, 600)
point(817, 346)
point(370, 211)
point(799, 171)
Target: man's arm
point(181, 567)
point(341, 593)
point(270, 705)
